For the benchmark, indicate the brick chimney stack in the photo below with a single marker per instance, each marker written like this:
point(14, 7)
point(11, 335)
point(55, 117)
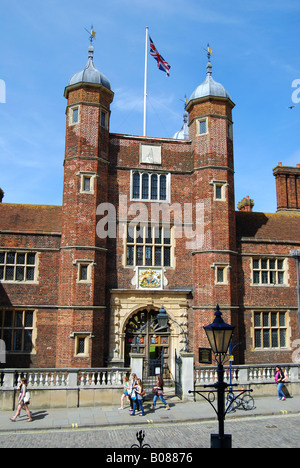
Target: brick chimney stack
point(246, 204)
point(287, 187)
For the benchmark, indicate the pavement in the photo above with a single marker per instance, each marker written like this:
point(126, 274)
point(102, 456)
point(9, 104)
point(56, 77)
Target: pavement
point(111, 416)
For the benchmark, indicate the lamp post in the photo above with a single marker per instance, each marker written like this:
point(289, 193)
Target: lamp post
point(219, 335)
point(162, 320)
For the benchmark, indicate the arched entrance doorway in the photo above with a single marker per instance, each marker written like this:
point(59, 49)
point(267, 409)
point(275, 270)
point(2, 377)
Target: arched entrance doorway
point(143, 335)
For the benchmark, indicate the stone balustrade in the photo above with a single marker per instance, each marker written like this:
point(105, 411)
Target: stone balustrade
point(246, 374)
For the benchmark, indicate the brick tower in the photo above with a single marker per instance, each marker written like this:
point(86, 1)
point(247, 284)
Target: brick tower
point(214, 254)
point(82, 277)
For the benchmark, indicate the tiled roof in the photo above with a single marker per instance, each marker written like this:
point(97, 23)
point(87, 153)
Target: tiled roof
point(275, 226)
point(30, 218)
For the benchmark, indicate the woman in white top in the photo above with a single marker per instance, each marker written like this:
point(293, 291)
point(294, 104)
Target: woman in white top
point(23, 401)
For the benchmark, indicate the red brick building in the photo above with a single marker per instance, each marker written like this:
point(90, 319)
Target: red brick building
point(147, 222)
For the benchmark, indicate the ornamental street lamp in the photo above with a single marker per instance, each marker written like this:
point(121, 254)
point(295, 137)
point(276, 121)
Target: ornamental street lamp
point(162, 320)
point(219, 335)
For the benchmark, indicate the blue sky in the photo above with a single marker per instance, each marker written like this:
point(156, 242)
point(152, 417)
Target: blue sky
point(255, 56)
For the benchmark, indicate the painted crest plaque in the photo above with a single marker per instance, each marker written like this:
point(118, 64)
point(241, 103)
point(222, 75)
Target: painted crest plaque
point(150, 278)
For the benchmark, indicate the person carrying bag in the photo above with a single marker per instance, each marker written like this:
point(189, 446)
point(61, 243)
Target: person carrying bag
point(23, 400)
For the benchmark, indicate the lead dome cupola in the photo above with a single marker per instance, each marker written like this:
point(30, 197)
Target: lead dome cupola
point(90, 74)
point(209, 87)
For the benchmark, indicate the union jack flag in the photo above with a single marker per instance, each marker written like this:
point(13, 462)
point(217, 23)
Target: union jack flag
point(161, 63)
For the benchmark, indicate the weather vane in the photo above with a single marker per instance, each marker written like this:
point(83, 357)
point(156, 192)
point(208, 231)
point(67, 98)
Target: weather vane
point(92, 34)
point(209, 51)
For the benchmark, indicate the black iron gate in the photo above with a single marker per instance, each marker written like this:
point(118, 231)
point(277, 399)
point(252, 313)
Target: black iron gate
point(178, 367)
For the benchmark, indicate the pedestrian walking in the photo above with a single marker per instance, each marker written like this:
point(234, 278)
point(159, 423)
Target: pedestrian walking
point(158, 392)
point(125, 393)
point(280, 378)
point(139, 393)
point(23, 400)
point(132, 392)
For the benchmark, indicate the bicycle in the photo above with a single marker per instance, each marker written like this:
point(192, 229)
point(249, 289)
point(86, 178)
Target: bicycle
point(242, 401)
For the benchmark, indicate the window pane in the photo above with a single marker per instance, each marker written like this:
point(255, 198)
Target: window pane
point(81, 345)
point(257, 319)
point(167, 236)
point(273, 319)
point(282, 333)
point(18, 319)
point(30, 259)
point(163, 187)
point(265, 319)
point(272, 264)
point(21, 259)
point(130, 254)
point(139, 255)
point(10, 259)
point(280, 264)
point(30, 274)
point(139, 234)
point(28, 319)
point(157, 256)
point(257, 339)
point(28, 341)
point(9, 274)
point(130, 234)
point(282, 319)
point(149, 235)
point(275, 338)
point(202, 127)
point(148, 255)
point(266, 338)
point(256, 264)
point(75, 115)
point(2, 257)
point(8, 320)
point(218, 192)
point(83, 272)
point(87, 184)
point(103, 119)
point(280, 277)
point(136, 185)
point(264, 264)
point(220, 275)
point(157, 235)
point(273, 277)
point(167, 256)
point(1, 272)
point(154, 187)
point(145, 186)
point(256, 277)
point(264, 277)
point(18, 340)
point(20, 273)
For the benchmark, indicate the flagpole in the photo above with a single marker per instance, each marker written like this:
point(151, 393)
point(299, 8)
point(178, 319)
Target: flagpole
point(145, 82)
